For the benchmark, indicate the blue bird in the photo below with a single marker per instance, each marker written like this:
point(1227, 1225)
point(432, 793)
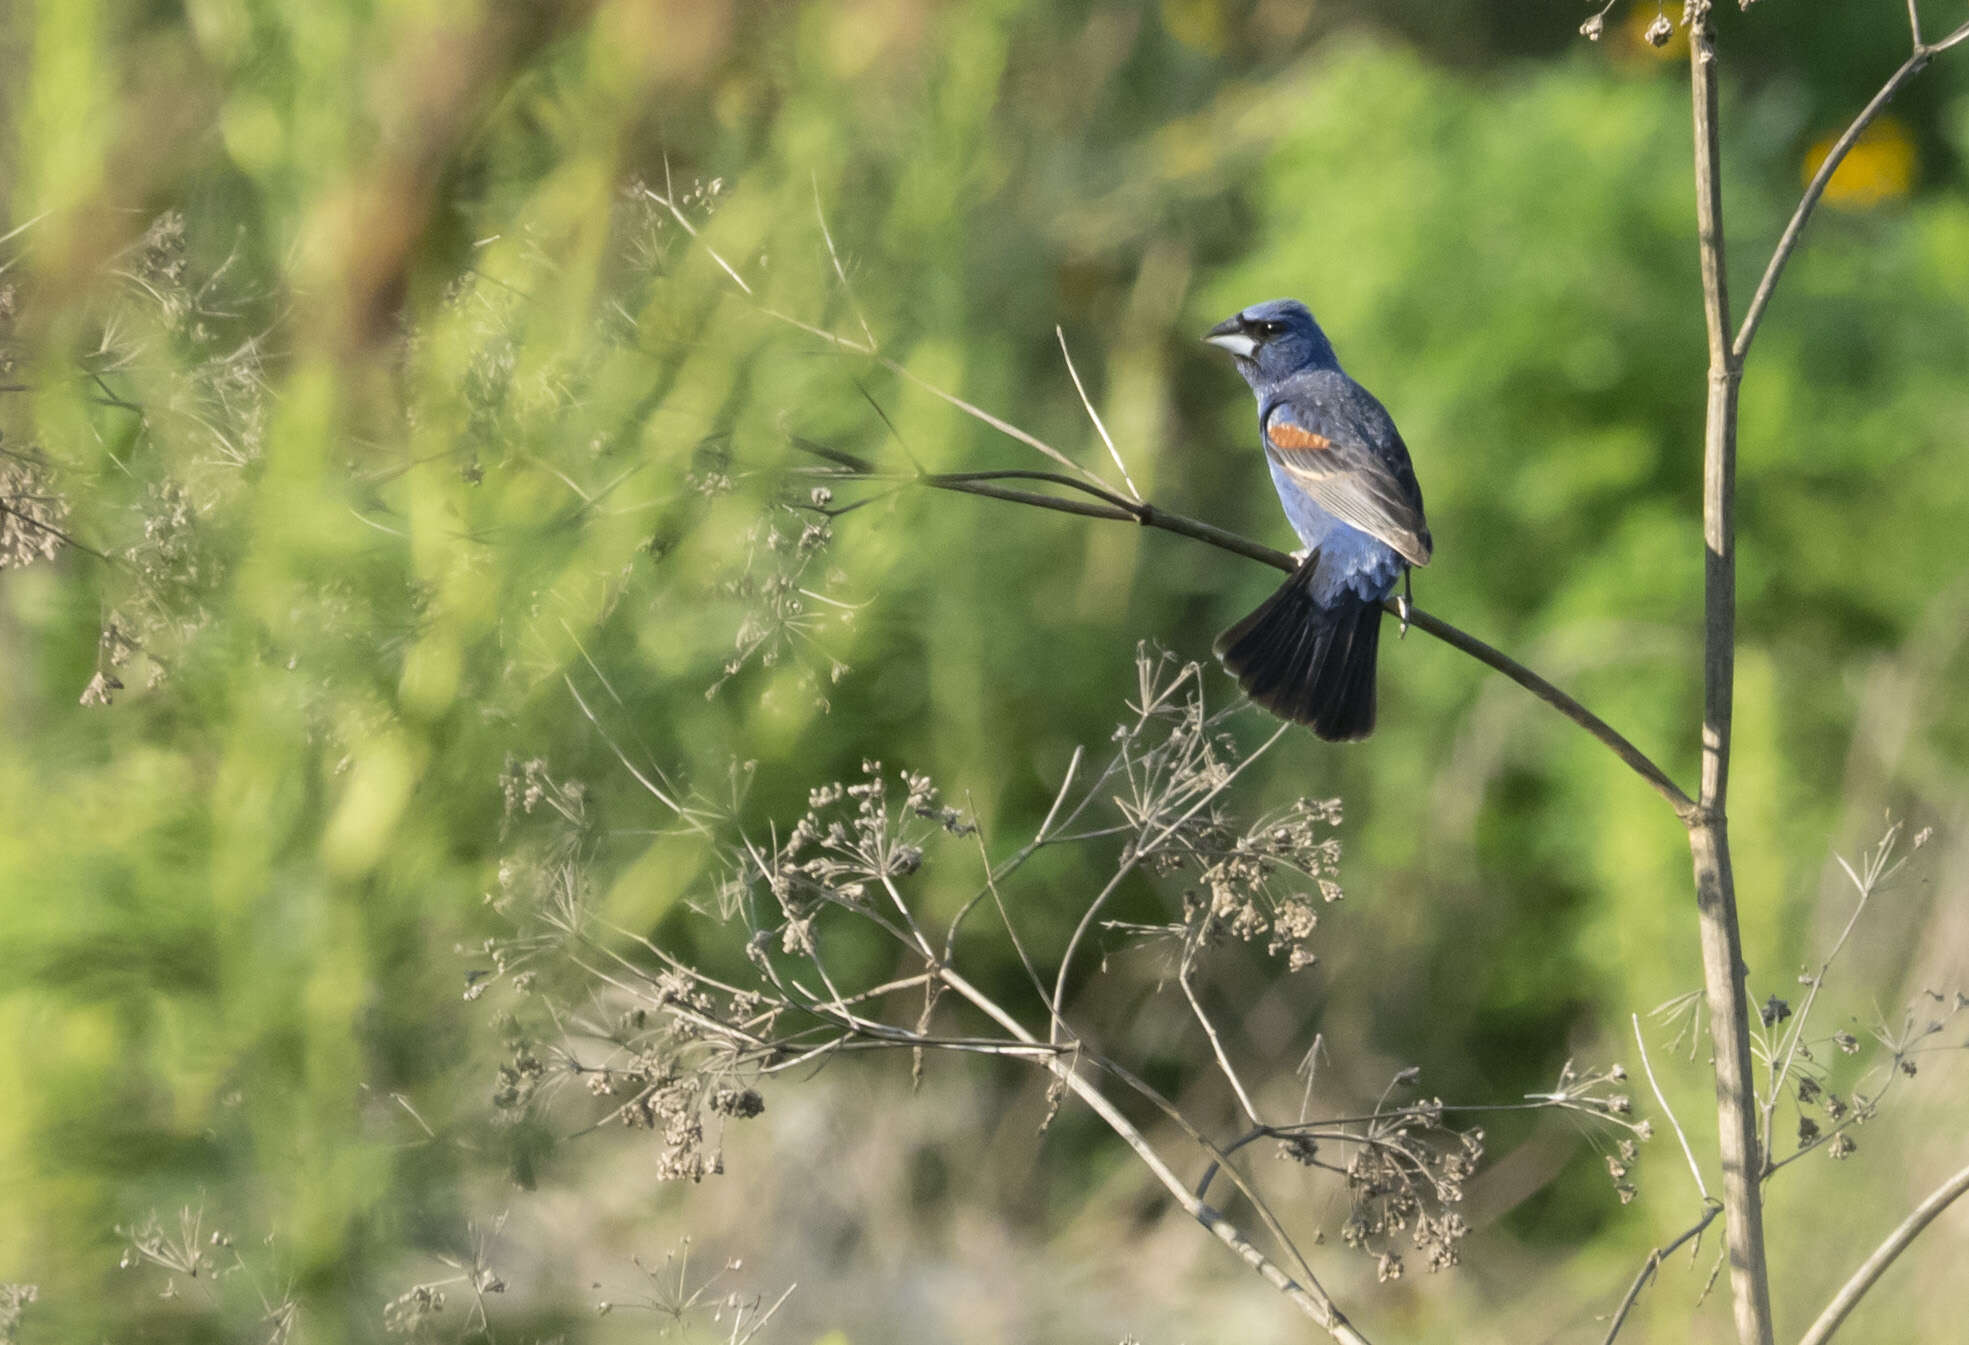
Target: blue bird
point(1343, 474)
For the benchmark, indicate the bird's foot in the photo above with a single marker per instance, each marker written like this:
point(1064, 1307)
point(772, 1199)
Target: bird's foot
point(1299, 557)
point(1402, 606)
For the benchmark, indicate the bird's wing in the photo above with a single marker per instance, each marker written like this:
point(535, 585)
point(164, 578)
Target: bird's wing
point(1349, 480)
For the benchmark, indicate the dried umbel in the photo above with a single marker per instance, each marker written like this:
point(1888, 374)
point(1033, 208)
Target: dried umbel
point(854, 839)
point(656, 1045)
point(1263, 884)
point(414, 1310)
point(666, 1049)
point(1406, 1171)
point(1830, 1095)
point(789, 597)
point(32, 510)
point(1255, 880)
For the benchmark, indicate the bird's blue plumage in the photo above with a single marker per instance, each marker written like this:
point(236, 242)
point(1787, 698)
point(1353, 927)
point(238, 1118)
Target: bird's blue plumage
point(1350, 560)
point(1343, 476)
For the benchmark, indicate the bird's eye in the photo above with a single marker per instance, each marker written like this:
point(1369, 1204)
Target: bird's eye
point(1269, 328)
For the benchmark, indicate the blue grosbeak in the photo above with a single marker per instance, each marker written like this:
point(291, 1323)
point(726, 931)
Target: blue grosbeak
point(1343, 475)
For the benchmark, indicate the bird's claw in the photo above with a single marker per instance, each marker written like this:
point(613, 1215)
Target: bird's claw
point(1402, 606)
point(1299, 557)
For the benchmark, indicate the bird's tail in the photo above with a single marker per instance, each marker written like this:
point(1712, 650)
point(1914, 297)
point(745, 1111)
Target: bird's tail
point(1308, 660)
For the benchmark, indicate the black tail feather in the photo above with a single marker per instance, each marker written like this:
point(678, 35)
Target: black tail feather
point(1308, 662)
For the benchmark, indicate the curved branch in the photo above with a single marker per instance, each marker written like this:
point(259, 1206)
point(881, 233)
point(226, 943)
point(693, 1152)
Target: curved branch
point(1917, 60)
point(1105, 504)
point(1310, 1298)
point(1711, 1209)
point(1636, 760)
point(1896, 1243)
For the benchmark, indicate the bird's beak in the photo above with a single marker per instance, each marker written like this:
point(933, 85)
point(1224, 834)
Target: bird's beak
point(1231, 335)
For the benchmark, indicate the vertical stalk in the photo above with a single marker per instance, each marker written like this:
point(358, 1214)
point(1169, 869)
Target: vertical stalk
point(1709, 845)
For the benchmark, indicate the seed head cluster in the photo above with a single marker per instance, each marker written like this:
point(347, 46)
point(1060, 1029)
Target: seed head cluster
point(1405, 1174)
point(854, 838)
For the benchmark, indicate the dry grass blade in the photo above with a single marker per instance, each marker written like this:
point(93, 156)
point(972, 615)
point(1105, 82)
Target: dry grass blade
point(1095, 416)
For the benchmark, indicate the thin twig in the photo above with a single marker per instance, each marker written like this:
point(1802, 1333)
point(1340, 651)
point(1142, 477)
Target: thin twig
point(1917, 60)
point(1333, 1127)
point(1781, 1072)
point(1695, 1169)
point(1862, 1109)
point(840, 272)
point(909, 922)
point(655, 790)
point(1897, 1242)
point(20, 229)
point(1653, 1264)
point(1150, 516)
point(1310, 1298)
point(1216, 1043)
point(51, 530)
point(876, 406)
point(1135, 856)
point(1095, 416)
point(667, 202)
point(978, 413)
point(1004, 915)
point(1788, 242)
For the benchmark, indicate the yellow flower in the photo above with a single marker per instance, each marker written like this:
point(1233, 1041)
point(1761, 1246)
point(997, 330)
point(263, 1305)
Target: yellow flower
point(1200, 24)
point(1879, 168)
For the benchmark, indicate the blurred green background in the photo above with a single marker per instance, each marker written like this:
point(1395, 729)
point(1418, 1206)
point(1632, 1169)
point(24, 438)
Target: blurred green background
point(384, 402)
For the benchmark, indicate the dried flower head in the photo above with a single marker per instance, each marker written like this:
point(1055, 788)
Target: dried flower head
point(414, 1310)
point(33, 512)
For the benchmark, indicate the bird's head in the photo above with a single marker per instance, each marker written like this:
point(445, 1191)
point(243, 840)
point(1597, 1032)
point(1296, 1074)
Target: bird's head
point(1272, 340)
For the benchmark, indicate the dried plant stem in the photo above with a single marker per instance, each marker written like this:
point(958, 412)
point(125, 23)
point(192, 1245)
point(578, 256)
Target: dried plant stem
point(1661, 1099)
point(1652, 1265)
point(1309, 1298)
point(1897, 1242)
point(1736, 1101)
point(1917, 61)
point(1709, 845)
point(1224, 1065)
point(1781, 1068)
point(1744, 1165)
point(1100, 427)
point(1148, 845)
